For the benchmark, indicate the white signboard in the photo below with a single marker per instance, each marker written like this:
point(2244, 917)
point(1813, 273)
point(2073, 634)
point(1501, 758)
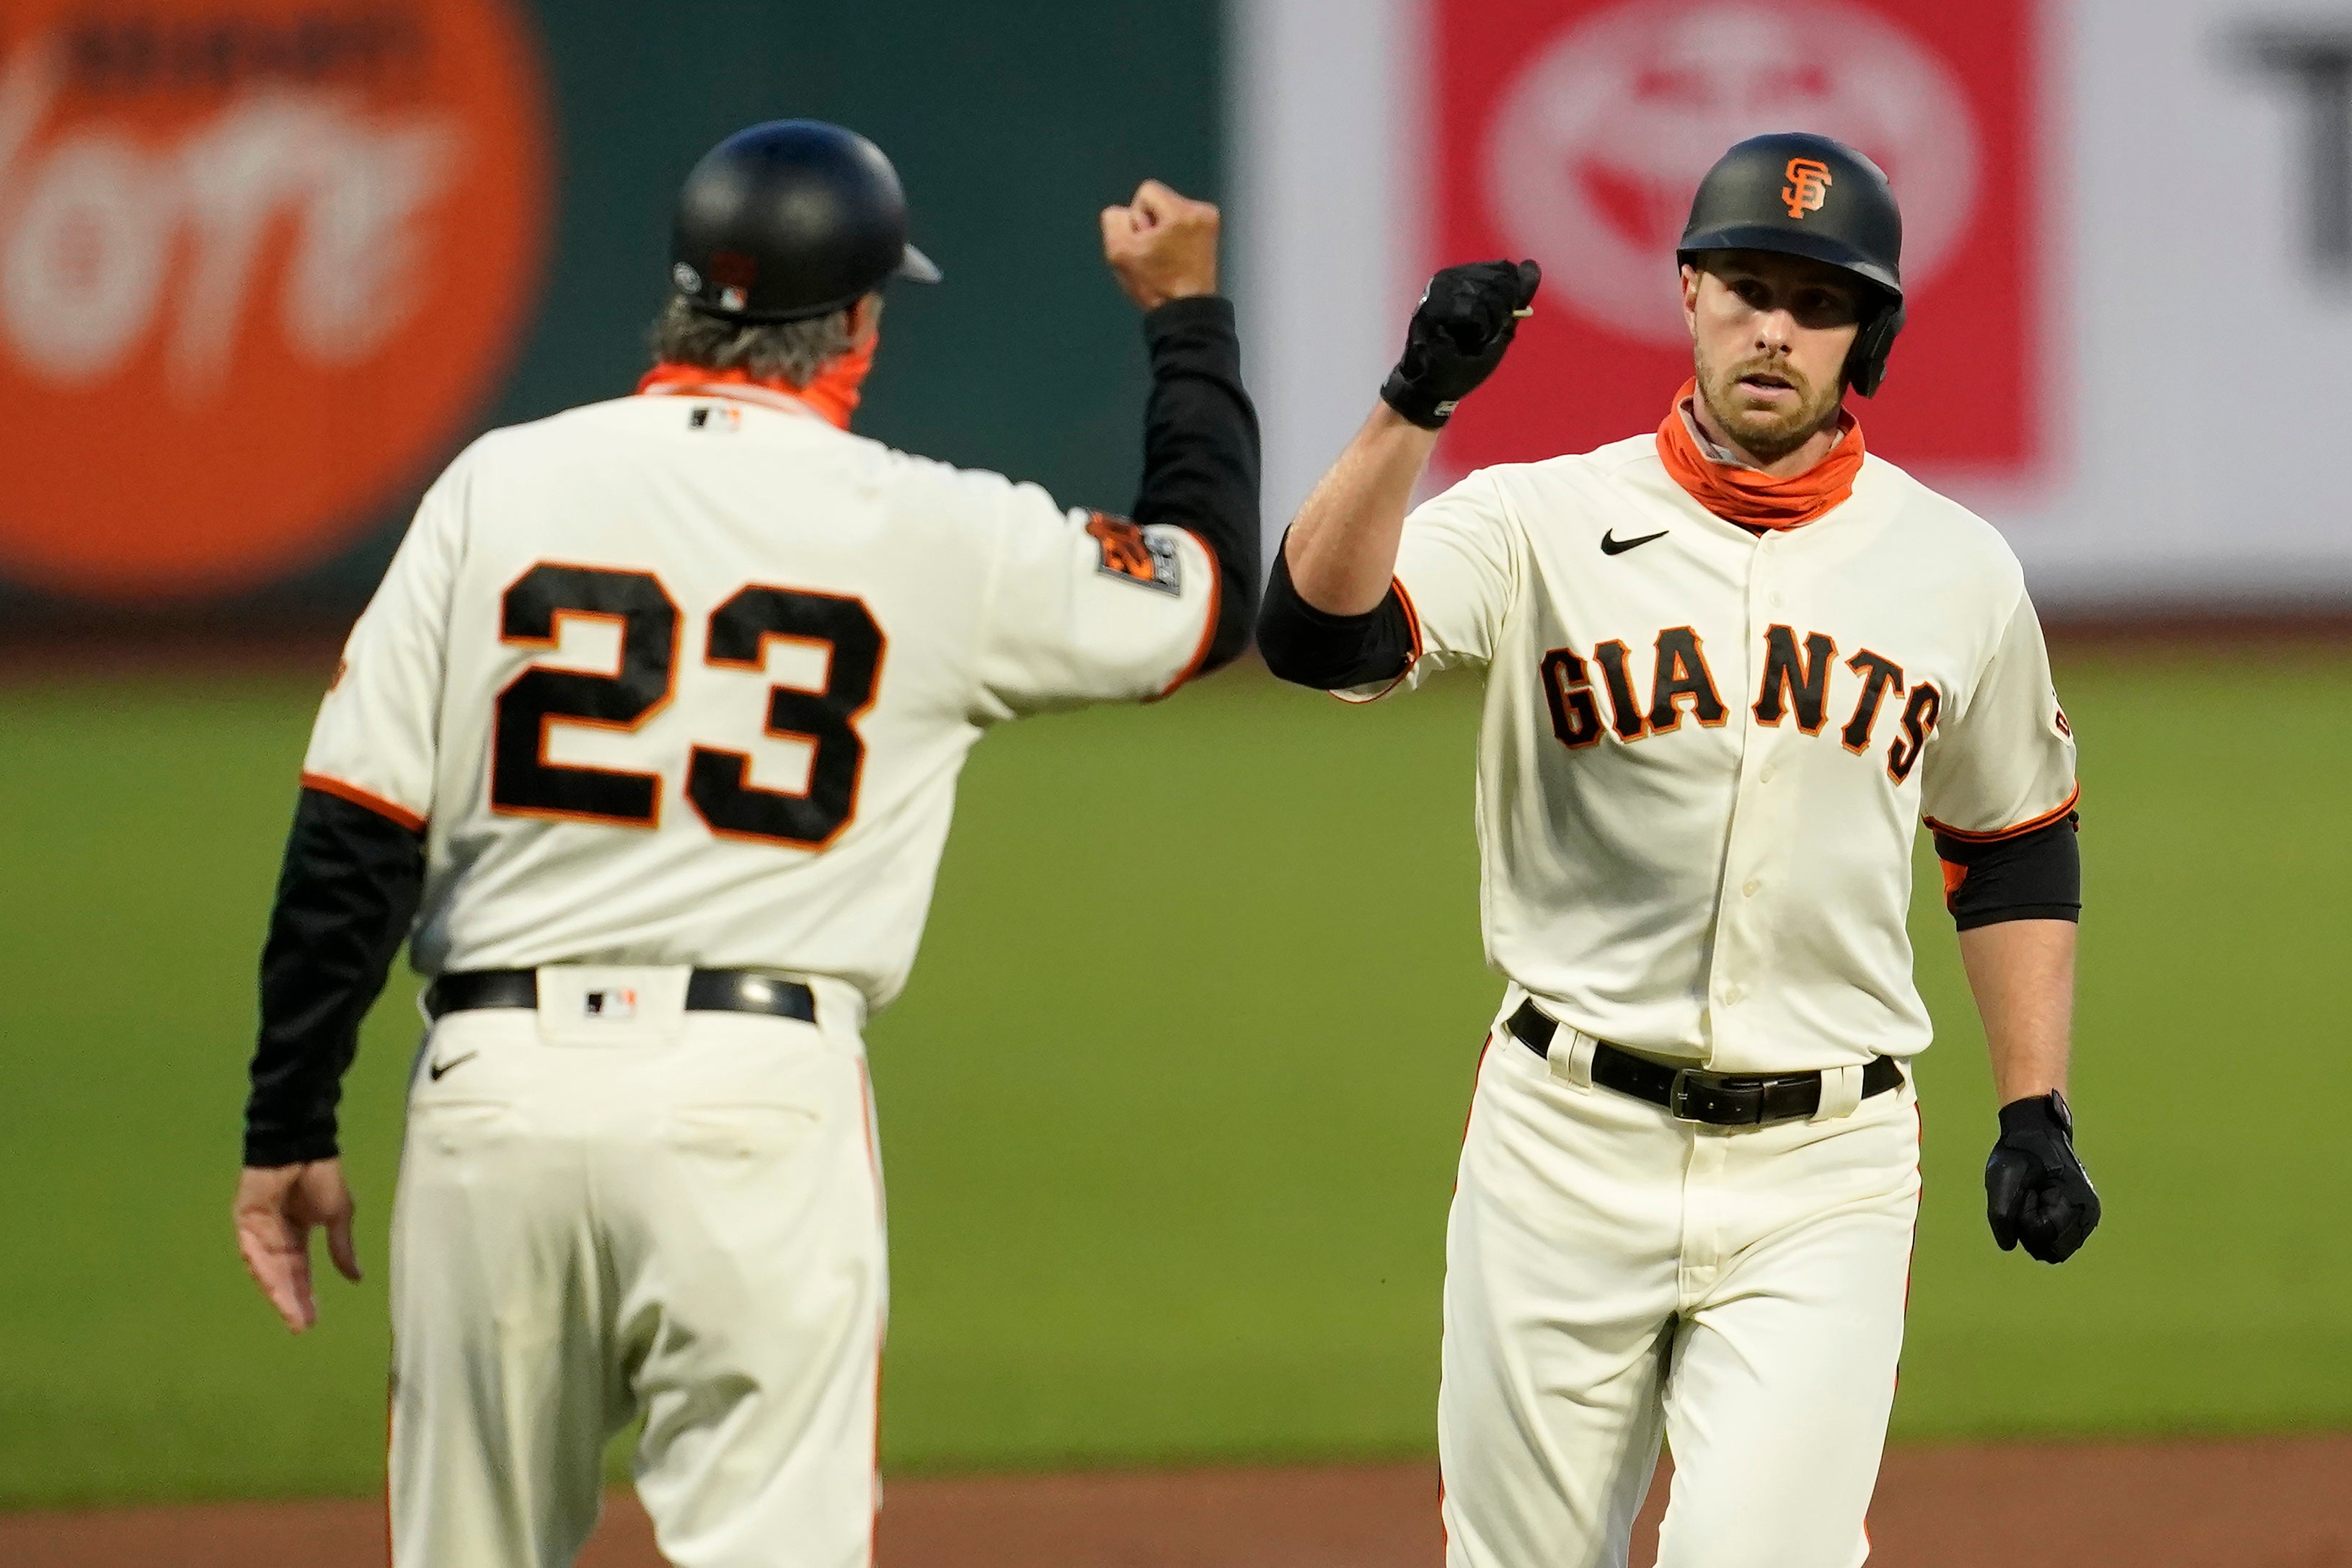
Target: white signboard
point(2155, 409)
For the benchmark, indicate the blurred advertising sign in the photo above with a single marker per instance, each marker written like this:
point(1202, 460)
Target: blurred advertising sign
point(260, 260)
point(2129, 250)
point(1576, 132)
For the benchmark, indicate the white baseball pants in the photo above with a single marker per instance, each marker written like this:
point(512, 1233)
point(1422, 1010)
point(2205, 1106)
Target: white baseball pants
point(674, 1215)
point(1611, 1272)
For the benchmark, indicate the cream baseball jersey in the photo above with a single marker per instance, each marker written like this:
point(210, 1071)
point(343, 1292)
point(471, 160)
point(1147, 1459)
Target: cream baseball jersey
point(1705, 754)
point(689, 679)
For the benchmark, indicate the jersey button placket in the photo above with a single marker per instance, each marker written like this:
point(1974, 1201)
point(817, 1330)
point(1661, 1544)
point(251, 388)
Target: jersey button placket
point(1739, 943)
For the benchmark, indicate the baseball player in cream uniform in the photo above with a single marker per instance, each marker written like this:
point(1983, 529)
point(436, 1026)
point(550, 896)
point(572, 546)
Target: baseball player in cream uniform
point(1728, 667)
point(647, 744)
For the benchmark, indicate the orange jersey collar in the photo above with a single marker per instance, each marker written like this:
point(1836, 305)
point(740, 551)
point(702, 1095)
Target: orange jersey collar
point(832, 396)
point(1751, 498)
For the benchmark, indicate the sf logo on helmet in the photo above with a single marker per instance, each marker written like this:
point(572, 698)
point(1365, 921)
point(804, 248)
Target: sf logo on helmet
point(1808, 184)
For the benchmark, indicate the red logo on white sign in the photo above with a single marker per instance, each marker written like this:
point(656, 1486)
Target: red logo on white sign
point(1577, 133)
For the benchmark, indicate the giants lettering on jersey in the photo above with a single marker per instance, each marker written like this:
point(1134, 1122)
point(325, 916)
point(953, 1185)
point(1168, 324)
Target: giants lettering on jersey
point(1798, 675)
point(1703, 762)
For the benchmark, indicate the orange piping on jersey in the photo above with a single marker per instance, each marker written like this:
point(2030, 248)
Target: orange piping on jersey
point(391, 1393)
point(1412, 619)
point(2019, 831)
point(832, 396)
point(1208, 628)
point(1413, 625)
point(882, 1324)
point(1477, 1072)
point(359, 797)
point(1477, 1069)
point(1751, 498)
point(874, 1472)
point(1911, 1259)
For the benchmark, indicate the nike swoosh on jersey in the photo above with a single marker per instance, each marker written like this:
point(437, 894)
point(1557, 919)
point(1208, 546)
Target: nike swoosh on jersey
point(437, 1069)
point(1612, 544)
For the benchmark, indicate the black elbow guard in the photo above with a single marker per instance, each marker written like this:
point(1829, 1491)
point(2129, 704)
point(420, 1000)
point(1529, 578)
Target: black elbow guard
point(2036, 875)
point(1309, 647)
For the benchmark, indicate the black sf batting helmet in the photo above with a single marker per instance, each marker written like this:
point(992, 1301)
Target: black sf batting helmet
point(790, 220)
point(1807, 195)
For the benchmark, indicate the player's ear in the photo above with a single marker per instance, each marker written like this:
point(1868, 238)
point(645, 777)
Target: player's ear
point(864, 320)
point(1690, 298)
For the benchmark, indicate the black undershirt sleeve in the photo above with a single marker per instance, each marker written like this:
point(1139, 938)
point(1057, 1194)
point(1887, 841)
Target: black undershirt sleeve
point(1201, 455)
point(2033, 876)
point(1309, 647)
point(346, 894)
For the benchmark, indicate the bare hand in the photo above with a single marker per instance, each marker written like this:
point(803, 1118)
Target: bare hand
point(1161, 246)
point(277, 1206)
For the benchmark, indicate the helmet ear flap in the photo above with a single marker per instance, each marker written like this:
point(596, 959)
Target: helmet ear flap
point(1865, 362)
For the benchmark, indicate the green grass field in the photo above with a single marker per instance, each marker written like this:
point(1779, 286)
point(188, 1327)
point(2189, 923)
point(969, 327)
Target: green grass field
point(1170, 1110)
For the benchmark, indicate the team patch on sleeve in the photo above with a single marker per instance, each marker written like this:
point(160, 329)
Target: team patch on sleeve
point(1145, 557)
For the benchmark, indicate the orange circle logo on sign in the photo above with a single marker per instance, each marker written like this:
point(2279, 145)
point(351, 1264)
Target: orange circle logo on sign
point(260, 260)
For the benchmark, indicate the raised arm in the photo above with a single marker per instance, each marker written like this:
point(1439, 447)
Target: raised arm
point(1332, 616)
point(1089, 606)
point(1341, 549)
point(1199, 432)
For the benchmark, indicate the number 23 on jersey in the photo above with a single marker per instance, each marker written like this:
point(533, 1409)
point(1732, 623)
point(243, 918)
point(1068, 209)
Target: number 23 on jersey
point(523, 783)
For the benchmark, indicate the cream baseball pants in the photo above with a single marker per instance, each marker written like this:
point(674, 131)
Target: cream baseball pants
point(1612, 1273)
point(637, 1212)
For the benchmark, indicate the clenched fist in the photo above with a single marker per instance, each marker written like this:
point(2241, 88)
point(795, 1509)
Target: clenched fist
point(2036, 1190)
point(1466, 319)
point(1161, 246)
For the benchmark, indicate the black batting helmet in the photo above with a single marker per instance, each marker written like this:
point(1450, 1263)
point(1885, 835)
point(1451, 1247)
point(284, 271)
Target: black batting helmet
point(790, 220)
point(1809, 195)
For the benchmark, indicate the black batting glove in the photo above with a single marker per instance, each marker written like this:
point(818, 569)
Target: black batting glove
point(1464, 321)
point(2036, 1190)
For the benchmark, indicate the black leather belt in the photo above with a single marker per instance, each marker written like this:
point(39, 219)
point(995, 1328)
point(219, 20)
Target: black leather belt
point(1717, 1099)
point(707, 991)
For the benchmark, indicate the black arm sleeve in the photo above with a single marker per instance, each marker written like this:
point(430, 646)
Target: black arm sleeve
point(345, 898)
point(1309, 648)
point(2033, 876)
point(1201, 455)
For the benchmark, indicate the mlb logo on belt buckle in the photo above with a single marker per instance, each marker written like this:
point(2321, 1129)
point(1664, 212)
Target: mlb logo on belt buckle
point(621, 1003)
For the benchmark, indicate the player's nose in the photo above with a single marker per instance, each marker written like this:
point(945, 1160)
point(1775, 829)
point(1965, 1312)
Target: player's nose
point(1775, 330)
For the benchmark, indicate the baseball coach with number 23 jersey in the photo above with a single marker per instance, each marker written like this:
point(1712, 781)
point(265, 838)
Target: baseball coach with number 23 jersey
point(647, 744)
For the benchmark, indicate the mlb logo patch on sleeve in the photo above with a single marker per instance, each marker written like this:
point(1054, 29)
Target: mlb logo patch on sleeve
point(1145, 557)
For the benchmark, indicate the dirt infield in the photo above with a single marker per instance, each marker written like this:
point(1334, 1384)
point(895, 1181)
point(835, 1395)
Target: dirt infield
point(2282, 1502)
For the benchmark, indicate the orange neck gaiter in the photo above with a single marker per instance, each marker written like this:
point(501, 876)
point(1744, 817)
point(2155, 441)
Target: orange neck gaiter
point(1747, 497)
point(833, 395)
